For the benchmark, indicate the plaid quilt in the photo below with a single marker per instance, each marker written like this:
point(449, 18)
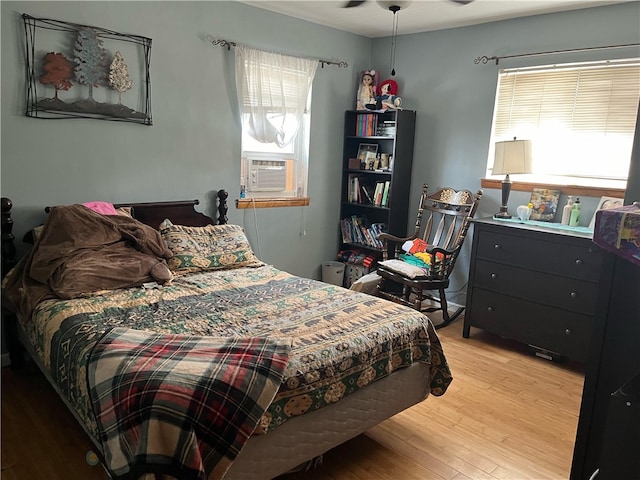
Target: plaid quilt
point(180, 405)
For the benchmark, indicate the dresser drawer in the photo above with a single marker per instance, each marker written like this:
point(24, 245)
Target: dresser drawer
point(576, 259)
point(566, 293)
point(566, 333)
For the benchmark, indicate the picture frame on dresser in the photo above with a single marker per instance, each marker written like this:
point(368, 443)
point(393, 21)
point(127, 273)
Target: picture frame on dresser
point(605, 203)
point(545, 204)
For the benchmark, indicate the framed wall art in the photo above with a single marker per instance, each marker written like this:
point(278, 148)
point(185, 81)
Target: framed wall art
point(81, 71)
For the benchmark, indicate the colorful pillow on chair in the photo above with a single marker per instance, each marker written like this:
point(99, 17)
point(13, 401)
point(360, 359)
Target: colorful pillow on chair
point(213, 247)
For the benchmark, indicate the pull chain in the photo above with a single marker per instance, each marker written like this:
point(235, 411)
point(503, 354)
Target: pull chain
point(394, 38)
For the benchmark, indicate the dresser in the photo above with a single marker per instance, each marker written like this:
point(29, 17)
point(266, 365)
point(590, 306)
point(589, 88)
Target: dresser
point(534, 284)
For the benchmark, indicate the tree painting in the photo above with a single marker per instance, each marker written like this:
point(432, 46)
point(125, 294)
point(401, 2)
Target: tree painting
point(119, 76)
point(90, 58)
point(57, 72)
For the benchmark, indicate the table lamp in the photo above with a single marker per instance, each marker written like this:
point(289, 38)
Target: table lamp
point(513, 156)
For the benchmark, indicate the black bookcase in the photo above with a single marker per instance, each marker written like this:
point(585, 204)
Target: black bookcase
point(392, 133)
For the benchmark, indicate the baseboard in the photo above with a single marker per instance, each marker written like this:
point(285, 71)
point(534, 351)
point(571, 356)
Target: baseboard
point(6, 360)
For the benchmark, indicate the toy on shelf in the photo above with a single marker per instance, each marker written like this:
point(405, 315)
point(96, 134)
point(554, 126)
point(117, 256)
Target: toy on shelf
point(388, 98)
point(367, 90)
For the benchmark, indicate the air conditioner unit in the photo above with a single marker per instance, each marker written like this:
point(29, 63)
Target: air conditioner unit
point(267, 175)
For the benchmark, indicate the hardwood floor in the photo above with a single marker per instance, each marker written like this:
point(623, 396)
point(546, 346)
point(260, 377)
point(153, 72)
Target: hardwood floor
point(507, 415)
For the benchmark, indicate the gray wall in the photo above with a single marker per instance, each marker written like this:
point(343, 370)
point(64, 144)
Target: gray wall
point(454, 97)
point(193, 147)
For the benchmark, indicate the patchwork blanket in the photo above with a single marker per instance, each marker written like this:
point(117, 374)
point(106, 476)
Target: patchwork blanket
point(342, 340)
point(180, 405)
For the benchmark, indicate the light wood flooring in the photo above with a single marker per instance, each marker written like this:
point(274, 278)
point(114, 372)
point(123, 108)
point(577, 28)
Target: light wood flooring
point(507, 415)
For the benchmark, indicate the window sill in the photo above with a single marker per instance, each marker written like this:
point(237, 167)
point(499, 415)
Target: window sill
point(577, 190)
point(272, 202)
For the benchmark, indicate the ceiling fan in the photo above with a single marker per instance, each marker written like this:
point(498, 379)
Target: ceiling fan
point(398, 4)
point(394, 6)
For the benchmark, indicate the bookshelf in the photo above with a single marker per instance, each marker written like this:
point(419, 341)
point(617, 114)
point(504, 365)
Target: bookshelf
point(375, 186)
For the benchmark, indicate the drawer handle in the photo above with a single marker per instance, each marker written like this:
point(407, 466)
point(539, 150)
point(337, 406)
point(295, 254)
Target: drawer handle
point(494, 275)
point(568, 331)
point(497, 246)
point(578, 262)
point(573, 294)
point(490, 309)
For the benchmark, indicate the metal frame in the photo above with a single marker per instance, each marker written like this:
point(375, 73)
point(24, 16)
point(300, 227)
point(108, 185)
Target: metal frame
point(37, 109)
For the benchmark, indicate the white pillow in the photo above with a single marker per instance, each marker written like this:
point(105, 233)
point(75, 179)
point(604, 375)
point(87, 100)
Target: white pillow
point(404, 268)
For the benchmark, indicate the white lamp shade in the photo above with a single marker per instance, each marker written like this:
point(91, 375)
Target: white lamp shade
point(513, 156)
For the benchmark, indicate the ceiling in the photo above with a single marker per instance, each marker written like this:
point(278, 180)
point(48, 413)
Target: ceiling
point(372, 19)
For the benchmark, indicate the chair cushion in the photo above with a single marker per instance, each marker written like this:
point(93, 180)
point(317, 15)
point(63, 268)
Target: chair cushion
point(403, 268)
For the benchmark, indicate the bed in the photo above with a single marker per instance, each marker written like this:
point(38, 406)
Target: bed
point(303, 366)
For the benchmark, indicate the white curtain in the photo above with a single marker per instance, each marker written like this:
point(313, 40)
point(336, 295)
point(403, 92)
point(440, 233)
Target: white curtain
point(273, 90)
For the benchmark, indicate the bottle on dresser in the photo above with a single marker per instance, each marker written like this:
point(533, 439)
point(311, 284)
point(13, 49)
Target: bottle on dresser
point(566, 211)
point(574, 219)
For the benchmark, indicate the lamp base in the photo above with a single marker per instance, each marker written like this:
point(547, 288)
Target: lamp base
point(506, 189)
point(503, 213)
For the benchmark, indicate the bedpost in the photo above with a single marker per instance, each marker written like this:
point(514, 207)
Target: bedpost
point(8, 245)
point(222, 207)
point(9, 320)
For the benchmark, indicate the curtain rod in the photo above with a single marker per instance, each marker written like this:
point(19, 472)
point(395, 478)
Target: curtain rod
point(485, 59)
point(228, 44)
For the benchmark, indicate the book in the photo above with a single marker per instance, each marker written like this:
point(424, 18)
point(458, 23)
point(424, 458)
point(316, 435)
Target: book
point(378, 193)
point(344, 230)
point(366, 194)
point(385, 193)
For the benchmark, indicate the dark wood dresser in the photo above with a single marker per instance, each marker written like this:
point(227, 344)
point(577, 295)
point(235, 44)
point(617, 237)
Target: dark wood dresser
point(534, 284)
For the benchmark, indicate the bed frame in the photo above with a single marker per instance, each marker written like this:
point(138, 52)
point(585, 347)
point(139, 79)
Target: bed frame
point(298, 441)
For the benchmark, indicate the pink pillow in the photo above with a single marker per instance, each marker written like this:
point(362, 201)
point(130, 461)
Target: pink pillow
point(104, 208)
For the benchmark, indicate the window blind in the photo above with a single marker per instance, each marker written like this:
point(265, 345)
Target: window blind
point(271, 88)
point(579, 116)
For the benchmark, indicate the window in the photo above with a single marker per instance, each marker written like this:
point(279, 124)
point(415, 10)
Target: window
point(271, 171)
point(579, 117)
point(274, 93)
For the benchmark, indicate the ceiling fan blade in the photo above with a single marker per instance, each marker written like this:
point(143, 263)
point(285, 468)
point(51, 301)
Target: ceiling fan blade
point(353, 4)
point(462, 2)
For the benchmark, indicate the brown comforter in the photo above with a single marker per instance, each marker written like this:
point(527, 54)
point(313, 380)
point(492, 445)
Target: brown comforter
point(80, 251)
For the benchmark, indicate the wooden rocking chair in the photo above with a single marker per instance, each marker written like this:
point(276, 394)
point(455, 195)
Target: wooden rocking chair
point(409, 279)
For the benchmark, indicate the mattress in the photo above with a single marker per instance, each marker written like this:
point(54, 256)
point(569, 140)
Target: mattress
point(310, 435)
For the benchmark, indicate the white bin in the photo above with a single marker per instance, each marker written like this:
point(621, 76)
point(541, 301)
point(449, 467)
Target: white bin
point(333, 272)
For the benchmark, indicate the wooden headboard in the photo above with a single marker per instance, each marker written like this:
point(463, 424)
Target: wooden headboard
point(179, 212)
